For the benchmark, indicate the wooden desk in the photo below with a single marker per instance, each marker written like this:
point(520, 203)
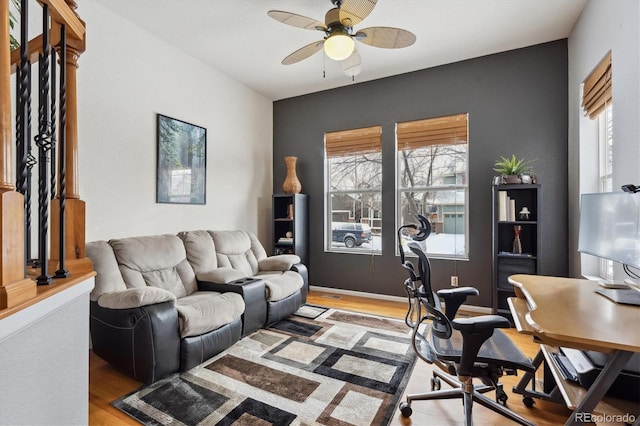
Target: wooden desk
point(567, 312)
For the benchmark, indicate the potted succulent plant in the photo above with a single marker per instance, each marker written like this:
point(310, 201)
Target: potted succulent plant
point(512, 170)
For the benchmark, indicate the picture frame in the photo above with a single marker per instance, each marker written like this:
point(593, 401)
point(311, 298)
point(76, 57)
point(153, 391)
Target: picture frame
point(181, 174)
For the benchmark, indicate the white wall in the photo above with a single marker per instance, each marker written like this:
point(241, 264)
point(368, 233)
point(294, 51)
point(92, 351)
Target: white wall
point(125, 77)
point(604, 25)
point(44, 365)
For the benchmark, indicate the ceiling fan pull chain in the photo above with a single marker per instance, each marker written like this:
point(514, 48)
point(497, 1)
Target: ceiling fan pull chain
point(324, 66)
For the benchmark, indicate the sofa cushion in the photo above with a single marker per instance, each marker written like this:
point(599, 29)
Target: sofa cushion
point(234, 250)
point(155, 261)
point(204, 311)
point(201, 251)
point(108, 278)
point(281, 284)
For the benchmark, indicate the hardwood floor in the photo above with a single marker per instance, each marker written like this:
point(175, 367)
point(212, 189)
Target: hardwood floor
point(106, 384)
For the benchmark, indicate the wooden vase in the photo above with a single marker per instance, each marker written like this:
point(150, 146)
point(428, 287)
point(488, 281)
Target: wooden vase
point(291, 183)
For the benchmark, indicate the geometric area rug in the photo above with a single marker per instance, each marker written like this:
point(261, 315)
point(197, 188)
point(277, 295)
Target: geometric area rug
point(339, 368)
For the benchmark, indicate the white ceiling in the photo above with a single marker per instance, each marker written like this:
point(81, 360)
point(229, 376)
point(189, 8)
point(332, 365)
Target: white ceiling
point(238, 38)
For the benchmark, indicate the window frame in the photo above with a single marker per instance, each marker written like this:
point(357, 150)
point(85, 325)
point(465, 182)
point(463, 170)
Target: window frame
point(464, 187)
point(329, 193)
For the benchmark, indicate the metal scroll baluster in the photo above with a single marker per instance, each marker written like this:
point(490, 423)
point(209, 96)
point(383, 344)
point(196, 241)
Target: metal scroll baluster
point(52, 128)
point(23, 100)
point(31, 162)
point(43, 141)
point(62, 141)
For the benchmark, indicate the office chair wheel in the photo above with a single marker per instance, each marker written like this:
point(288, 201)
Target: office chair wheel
point(405, 409)
point(435, 383)
point(528, 401)
point(501, 396)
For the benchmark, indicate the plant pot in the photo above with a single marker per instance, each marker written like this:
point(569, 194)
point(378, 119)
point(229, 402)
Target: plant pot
point(511, 179)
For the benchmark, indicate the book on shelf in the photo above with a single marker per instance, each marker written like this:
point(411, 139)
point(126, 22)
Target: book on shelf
point(509, 253)
point(506, 207)
point(502, 205)
point(285, 240)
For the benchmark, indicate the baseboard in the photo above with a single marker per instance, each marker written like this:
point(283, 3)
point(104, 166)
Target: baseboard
point(468, 308)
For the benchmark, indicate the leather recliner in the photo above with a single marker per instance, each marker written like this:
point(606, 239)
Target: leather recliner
point(147, 316)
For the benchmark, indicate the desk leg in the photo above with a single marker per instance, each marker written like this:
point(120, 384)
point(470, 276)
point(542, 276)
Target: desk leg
point(600, 387)
point(549, 391)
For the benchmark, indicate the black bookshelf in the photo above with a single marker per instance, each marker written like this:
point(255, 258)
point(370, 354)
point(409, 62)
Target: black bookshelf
point(508, 203)
point(290, 217)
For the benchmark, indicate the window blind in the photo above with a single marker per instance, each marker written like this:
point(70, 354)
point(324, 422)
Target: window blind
point(596, 90)
point(448, 130)
point(353, 141)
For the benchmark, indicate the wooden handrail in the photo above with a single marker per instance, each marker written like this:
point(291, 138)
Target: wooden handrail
point(61, 14)
point(64, 15)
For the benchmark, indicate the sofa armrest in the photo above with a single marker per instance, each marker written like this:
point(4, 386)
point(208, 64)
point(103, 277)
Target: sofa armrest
point(304, 273)
point(143, 342)
point(135, 298)
point(222, 275)
point(281, 262)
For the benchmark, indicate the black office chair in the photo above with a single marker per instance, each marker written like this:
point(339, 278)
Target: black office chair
point(464, 347)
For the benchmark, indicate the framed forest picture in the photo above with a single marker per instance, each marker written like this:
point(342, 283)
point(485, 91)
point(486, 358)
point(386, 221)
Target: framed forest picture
point(182, 170)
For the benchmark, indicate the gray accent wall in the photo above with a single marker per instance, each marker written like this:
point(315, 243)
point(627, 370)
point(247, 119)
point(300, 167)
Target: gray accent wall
point(517, 104)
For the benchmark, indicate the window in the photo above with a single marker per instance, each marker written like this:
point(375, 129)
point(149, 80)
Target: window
point(432, 181)
point(353, 160)
point(597, 97)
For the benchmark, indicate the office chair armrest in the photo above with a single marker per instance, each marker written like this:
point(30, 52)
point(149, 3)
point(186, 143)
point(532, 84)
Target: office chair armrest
point(484, 322)
point(475, 331)
point(454, 297)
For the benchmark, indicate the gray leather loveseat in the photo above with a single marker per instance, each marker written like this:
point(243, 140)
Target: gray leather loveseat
point(166, 303)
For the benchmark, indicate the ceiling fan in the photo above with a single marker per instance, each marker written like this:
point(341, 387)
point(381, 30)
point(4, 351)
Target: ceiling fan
point(338, 42)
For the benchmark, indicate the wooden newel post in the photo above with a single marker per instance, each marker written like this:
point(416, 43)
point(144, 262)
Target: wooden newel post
point(15, 288)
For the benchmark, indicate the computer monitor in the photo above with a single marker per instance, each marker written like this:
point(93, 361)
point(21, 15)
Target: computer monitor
point(610, 227)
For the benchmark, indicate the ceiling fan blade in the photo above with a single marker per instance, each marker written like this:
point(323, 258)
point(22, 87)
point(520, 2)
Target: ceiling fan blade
point(355, 11)
point(303, 52)
point(297, 21)
point(386, 37)
point(352, 65)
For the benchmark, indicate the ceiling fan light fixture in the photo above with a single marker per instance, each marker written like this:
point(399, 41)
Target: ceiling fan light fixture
point(339, 46)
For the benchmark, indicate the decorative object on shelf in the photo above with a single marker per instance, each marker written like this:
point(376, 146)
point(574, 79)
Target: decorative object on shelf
point(291, 183)
point(513, 170)
point(524, 213)
point(290, 211)
point(289, 234)
point(517, 246)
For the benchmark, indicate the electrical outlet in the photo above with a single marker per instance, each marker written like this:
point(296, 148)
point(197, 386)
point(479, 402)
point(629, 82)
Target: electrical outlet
point(454, 281)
